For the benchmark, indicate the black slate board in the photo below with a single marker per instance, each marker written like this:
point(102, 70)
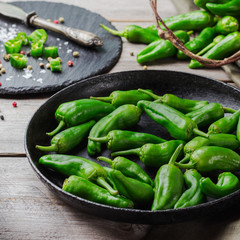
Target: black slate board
point(91, 61)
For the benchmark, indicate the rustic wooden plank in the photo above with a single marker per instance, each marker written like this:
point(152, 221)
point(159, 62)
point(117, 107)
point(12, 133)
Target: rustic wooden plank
point(30, 211)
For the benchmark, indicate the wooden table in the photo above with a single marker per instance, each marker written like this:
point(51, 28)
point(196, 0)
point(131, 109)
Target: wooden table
point(28, 210)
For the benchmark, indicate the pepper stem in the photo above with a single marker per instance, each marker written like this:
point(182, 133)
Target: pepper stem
point(190, 32)
point(184, 166)
point(101, 139)
point(57, 129)
point(229, 110)
point(175, 154)
point(101, 181)
point(154, 96)
point(204, 50)
point(185, 159)
point(104, 99)
point(127, 152)
point(112, 31)
point(200, 133)
point(105, 159)
point(52, 148)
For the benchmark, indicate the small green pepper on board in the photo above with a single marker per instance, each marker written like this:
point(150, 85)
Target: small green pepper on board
point(18, 60)
point(13, 46)
point(37, 49)
point(55, 65)
point(39, 35)
point(23, 37)
point(51, 51)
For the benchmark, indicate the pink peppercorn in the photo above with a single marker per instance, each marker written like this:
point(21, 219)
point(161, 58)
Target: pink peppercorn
point(22, 52)
point(14, 104)
point(70, 63)
point(0, 84)
point(55, 21)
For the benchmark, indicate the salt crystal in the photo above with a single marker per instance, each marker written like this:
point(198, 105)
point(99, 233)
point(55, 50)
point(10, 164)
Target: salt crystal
point(69, 50)
point(43, 71)
point(40, 80)
point(65, 43)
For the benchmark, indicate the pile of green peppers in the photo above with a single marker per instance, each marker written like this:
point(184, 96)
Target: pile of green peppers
point(186, 165)
point(216, 26)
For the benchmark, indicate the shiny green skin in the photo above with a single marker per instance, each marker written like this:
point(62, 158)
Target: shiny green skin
point(195, 20)
point(207, 114)
point(177, 124)
point(194, 144)
point(210, 158)
point(139, 192)
point(118, 140)
point(18, 60)
point(153, 155)
point(238, 129)
point(202, 3)
point(55, 65)
point(226, 25)
point(68, 138)
point(226, 124)
point(225, 48)
point(161, 48)
point(231, 8)
point(23, 37)
point(168, 185)
point(51, 51)
point(39, 35)
point(13, 46)
point(129, 169)
point(83, 188)
point(193, 195)
point(37, 49)
point(119, 98)
point(135, 34)
point(123, 117)
point(227, 184)
point(205, 37)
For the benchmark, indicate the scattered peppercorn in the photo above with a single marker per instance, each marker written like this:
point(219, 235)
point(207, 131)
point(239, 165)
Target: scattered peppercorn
point(61, 20)
point(1, 66)
point(2, 117)
point(29, 67)
point(22, 52)
point(28, 53)
point(144, 67)
point(131, 53)
point(49, 59)
point(3, 70)
point(48, 66)
point(0, 84)
point(76, 54)
point(0, 61)
point(14, 104)
point(6, 57)
point(59, 59)
point(55, 21)
point(70, 63)
point(41, 64)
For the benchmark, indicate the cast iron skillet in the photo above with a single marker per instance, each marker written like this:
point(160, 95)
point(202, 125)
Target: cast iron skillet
point(182, 84)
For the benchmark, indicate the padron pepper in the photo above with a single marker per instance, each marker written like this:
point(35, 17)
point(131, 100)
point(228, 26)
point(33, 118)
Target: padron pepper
point(226, 124)
point(210, 158)
point(119, 98)
point(238, 129)
point(39, 35)
point(123, 117)
point(205, 37)
point(193, 195)
point(161, 48)
point(37, 49)
point(176, 123)
point(68, 138)
point(121, 139)
point(202, 3)
point(72, 165)
point(83, 188)
point(225, 48)
point(18, 60)
point(182, 105)
point(226, 25)
point(227, 183)
point(168, 184)
point(13, 46)
point(153, 155)
point(73, 113)
point(128, 168)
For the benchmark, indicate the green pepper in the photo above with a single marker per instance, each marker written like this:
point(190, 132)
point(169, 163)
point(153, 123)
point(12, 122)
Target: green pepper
point(226, 124)
point(230, 8)
point(118, 98)
point(182, 105)
point(202, 3)
point(73, 113)
point(227, 183)
point(128, 168)
point(226, 25)
point(193, 195)
point(216, 40)
point(210, 158)
point(23, 37)
point(18, 60)
point(238, 129)
point(198, 43)
point(153, 155)
point(207, 114)
point(13, 46)
point(38, 35)
point(168, 184)
point(37, 49)
point(72, 165)
point(55, 65)
point(161, 48)
point(135, 34)
point(123, 117)
point(139, 192)
point(225, 48)
point(121, 140)
point(83, 188)
point(51, 52)
point(68, 139)
point(176, 123)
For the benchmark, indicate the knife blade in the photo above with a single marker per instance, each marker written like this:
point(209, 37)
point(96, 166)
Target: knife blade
point(31, 19)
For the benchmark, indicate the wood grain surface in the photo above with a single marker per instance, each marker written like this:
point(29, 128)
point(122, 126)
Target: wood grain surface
point(28, 210)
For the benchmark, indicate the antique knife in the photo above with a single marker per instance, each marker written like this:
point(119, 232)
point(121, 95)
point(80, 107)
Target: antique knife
point(31, 19)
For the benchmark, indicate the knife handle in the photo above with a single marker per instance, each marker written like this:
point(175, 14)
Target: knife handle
point(82, 37)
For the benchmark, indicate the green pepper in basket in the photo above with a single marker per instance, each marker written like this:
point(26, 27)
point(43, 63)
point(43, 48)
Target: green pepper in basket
point(226, 25)
point(202, 3)
point(18, 60)
point(83, 188)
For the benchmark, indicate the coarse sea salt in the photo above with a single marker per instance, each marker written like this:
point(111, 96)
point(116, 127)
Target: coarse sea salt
point(40, 80)
point(43, 71)
point(69, 50)
point(7, 33)
point(27, 73)
point(9, 78)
